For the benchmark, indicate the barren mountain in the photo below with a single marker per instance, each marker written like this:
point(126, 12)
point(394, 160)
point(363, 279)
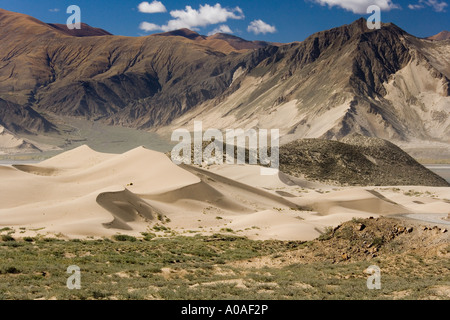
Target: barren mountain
point(443, 35)
point(85, 31)
point(220, 41)
point(139, 82)
point(22, 119)
point(383, 83)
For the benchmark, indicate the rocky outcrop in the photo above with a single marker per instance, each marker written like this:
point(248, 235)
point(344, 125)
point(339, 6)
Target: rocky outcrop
point(356, 160)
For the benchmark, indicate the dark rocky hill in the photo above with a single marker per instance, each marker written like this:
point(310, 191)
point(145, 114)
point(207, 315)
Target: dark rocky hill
point(356, 160)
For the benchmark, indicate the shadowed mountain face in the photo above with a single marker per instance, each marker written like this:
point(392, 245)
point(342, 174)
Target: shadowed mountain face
point(383, 83)
point(22, 119)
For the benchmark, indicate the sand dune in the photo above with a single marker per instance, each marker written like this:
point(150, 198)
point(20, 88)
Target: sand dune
point(10, 143)
point(126, 207)
point(83, 193)
point(357, 200)
point(79, 158)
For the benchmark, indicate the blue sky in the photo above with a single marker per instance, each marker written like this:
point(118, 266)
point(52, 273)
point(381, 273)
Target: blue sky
point(278, 20)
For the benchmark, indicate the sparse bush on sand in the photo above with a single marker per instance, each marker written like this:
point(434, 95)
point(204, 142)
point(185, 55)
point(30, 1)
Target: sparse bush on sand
point(123, 238)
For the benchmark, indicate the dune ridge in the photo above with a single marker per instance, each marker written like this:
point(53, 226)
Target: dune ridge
point(83, 193)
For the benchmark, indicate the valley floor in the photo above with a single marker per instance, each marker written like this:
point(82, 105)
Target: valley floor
point(413, 260)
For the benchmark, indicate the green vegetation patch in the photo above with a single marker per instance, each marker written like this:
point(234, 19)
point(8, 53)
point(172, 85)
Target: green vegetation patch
point(208, 267)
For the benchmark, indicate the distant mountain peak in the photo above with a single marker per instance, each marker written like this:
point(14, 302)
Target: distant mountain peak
point(359, 27)
point(443, 35)
point(220, 41)
point(34, 26)
point(186, 33)
point(224, 36)
point(85, 31)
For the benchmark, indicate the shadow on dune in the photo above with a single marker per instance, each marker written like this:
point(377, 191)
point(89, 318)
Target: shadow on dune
point(126, 207)
point(216, 181)
point(39, 171)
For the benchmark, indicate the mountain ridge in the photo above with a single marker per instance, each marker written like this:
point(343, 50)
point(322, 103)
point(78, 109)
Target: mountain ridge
point(441, 36)
point(224, 42)
point(85, 31)
point(367, 61)
point(349, 79)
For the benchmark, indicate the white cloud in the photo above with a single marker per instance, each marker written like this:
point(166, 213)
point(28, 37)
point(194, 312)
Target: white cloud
point(438, 6)
point(206, 15)
point(54, 10)
point(147, 26)
point(154, 7)
point(415, 6)
point(221, 29)
point(259, 26)
point(358, 6)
